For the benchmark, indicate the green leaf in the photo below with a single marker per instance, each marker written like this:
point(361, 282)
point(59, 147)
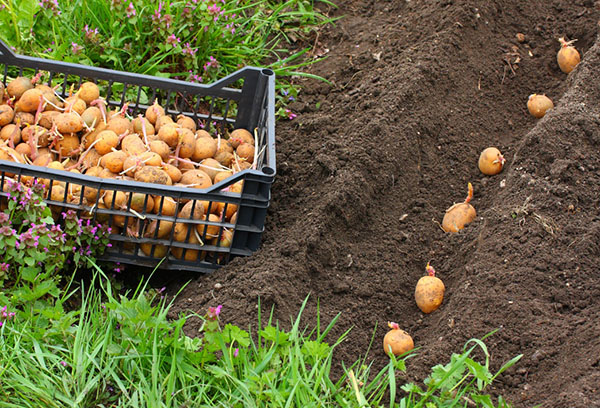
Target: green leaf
point(484, 400)
point(481, 373)
point(29, 273)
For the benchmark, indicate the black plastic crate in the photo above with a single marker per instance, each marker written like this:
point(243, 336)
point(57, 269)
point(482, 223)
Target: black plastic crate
point(219, 106)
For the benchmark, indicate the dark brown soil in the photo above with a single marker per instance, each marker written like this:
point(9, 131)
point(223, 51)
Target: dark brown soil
point(367, 169)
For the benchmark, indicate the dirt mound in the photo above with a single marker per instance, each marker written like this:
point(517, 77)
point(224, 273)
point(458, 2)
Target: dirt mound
point(367, 169)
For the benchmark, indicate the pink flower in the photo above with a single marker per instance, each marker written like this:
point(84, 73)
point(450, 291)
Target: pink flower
point(212, 63)
point(290, 114)
point(173, 40)
point(213, 312)
point(63, 363)
point(214, 9)
point(189, 50)
point(130, 11)
point(235, 352)
point(76, 48)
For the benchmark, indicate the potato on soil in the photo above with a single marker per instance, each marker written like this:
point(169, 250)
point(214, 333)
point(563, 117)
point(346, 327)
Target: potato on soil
point(7, 114)
point(18, 86)
point(205, 147)
point(68, 145)
point(106, 141)
point(113, 161)
point(11, 132)
point(429, 292)
point(196, 179)
point(459, 214)
point(69, 122)
point(491, 161)
point(567, 57)
point(151, 174)
point(29, 101)
point(538, 105)
point(239, 136)
point(397, 341)
point(88, 92)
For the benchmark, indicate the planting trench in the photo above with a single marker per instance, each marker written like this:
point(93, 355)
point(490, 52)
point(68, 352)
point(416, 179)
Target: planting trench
point(366, 170)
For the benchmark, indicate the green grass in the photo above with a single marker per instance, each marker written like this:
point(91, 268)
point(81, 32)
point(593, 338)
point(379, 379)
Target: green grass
point(123, 351)
point(154, 40)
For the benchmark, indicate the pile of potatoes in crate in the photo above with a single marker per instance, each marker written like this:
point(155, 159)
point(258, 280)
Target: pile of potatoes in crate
point(79, 134)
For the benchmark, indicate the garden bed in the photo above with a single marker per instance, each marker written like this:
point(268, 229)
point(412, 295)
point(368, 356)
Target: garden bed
point(368, 167)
